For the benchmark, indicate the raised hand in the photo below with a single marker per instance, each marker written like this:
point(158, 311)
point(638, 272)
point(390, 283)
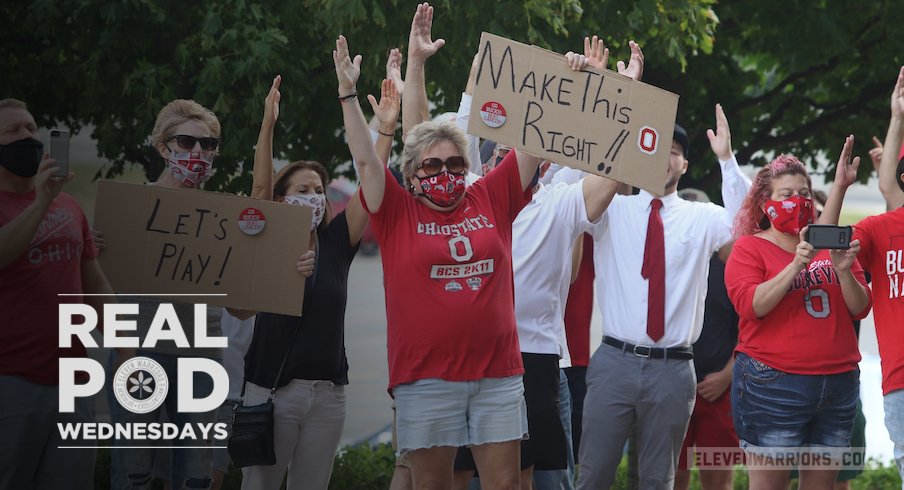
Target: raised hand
point(897, 96)
point(875, 154)
point(842, 260)
point(47, 185)
point(846, 170)
point(596, 52)
point(634, 69)
point(394, 69)
point(347, 70)
point(576, 62)
point(271, 103)
point(387, 110)
point(720, 139)
point(420, 45)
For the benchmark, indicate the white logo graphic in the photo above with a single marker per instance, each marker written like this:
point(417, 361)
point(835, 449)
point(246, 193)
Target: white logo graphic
point(140, 385)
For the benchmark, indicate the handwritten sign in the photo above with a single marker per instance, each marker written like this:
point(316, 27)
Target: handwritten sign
point(176, 242)
point(594, 120)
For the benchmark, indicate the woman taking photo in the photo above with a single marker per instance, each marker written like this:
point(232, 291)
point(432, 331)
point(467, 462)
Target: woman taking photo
point(795, 380)
point(309, 403)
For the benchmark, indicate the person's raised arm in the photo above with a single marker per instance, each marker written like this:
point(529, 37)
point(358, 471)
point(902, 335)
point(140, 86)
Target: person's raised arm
point(262, 173)
point(734, 183)
point(415, 108)
point(370, 168)
point(845, 175)
point(18, 233)
point(387, 113)
point(599, 191)
point(889, 179)
point(463, 118)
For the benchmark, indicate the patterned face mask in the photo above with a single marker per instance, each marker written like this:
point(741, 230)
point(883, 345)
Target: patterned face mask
point(790, 215)
point(317, 202)
point(443, 189)
point(191, 168)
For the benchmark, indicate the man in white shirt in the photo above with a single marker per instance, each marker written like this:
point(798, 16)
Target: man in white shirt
point(642, 376)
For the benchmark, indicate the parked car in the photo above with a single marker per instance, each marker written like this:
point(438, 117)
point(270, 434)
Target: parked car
point(339, 192)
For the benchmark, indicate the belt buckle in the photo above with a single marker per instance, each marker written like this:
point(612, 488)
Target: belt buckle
point(649, 350)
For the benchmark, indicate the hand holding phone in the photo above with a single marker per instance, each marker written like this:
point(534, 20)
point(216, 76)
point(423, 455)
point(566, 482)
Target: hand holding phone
point(829, 236)
point(59, 151)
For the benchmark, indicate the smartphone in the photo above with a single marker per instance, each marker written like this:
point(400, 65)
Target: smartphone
point(829, 236)
point(59, 151)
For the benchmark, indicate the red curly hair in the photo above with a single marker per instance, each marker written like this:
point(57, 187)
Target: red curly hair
point(751, 218)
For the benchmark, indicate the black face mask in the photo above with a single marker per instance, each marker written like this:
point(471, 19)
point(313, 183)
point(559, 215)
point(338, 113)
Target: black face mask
point(22, 157)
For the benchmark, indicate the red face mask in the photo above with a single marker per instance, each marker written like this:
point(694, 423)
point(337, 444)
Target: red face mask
point(790, 215)
point(443, 189)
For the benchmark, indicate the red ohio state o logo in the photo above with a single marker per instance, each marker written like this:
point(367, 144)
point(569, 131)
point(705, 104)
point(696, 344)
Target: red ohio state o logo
point(648, 140)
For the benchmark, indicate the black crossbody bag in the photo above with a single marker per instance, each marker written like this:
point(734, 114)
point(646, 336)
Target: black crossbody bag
point(251, 439)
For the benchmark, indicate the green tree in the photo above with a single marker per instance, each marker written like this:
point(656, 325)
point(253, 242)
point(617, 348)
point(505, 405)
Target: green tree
point(113, 65)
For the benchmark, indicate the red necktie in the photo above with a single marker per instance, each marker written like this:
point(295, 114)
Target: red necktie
point(653, 270)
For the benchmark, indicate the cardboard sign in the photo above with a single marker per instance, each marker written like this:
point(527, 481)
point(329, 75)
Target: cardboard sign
point(597, 121)
point(173, 242)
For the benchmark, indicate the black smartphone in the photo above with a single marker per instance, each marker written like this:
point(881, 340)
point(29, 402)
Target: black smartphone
point(59, 151)
point(829, 236)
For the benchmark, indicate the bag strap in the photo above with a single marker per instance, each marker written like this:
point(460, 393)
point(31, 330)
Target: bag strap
point(307, 294)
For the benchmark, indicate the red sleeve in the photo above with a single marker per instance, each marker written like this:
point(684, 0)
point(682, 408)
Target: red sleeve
point(863, 232)
point(744, 271)
point(857, 270)
point(394, 196)
point(504, 186)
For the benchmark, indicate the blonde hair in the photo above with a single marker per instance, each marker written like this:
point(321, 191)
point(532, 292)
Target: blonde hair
point(427, 134)
point(176, 113)
point(12, 104)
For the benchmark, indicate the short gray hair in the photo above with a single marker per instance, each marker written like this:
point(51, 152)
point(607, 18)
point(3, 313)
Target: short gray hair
point(427, 134)
point(12, 104)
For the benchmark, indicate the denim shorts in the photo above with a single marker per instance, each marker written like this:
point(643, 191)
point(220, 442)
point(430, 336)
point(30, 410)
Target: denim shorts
point(434, 412)
point(773, 409)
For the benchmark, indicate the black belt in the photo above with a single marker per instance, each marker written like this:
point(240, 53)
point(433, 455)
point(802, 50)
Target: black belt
point(681, 353)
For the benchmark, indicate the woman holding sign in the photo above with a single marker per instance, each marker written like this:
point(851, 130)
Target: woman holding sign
point(309, 402)
point(454, 363)
point(795, 374)
point(186, 135)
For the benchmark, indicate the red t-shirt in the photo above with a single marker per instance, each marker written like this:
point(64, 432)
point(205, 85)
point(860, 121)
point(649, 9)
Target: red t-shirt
point(52, 264)
point(810, 331)
point(448, 281)
point(882, 254)
point(579, 308)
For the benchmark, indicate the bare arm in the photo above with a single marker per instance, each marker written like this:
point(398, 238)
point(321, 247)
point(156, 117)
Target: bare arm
point(845, 175)
point(598, 193)
point(856, 296)
point(262, 173)
point(415, 108)
point(370, 168)
point(18, 233)
point(386, 112)
point(889, 180)
point(767, 295)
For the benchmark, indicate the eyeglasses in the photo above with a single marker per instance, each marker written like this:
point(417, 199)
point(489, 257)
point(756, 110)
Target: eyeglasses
point(188, 142)
point(433, 166)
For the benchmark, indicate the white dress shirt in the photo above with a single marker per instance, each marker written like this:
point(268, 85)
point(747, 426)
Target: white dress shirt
point(543, 236)
point(461, 120)
point(693, 231)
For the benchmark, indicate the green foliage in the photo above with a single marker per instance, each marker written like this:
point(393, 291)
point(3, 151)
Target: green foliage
point(114, 65)
point(363, 468)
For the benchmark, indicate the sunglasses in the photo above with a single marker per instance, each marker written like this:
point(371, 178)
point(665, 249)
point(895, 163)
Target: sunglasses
point(188, 142)
point(433, 166)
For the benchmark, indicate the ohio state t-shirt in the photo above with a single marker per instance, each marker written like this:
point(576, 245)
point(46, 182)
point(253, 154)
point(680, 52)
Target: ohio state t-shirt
point(448, 281)
point(51, 264)
point(882, 255)
point(810, 331)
